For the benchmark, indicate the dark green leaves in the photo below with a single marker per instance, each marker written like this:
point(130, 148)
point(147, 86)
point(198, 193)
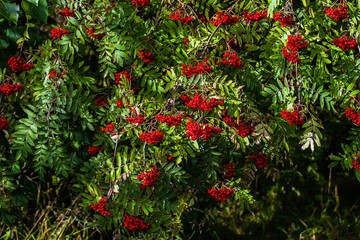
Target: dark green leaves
point(39, 11)
point(9, 11)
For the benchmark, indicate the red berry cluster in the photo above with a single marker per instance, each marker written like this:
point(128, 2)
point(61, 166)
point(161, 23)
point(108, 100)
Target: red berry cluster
point(120, 104)
point(201, 103)
point(233, 60)
point(179, 15)
point(229, 171)
point(255, 17)
point(355, 116)
point(112, 6)
point(285, 21)
point(294, 44)
point(231, 121)
point(153, 137)
point(135, 224)
point(100, 102)
point(293, 117)
point(149, 178)
point(95, 150)
point(123, 74)
point(3, 124)
point(195, 70)
point(58, 33)
point(66, 12)
point(100, 207)
point(146, 56)
point(91, 33)
point(141, 2)
point(260, 159)
point(18, 65)
point(185, 41)
point(224, 19)
point(291, 57)
point(244, 130)
point(356, 163)
point(9, 89)
point(53, 74)
point(109, 128)
point(344, 44)
point(195, 130)
point(139, 119)
point(220, 195)
point(337, 13)
point(169, 120)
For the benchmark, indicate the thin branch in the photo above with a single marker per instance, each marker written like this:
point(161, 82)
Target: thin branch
point(208, 41)
point(144, 154)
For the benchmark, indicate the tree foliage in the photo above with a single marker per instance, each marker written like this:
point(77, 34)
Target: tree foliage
point(120, 60)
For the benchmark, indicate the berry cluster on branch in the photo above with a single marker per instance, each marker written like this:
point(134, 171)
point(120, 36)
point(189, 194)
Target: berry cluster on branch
point(225, 19)
point(179, 15)
point(139, 119)
point(94, 150)
point(337, 13)
point(18, 66)
point(254, 17)
point(229, 173)
point(284, 20)
point(9, 89)
point(109, 128)
point(149, 178)
point(3, 123)
point(169, 120)
point(141, 3)
point(91, 33)
point(355, 116)
point(244, 130)
point(260, 159)
point(221, 194)
point(135, 224)
point(201, 103)
point(231, 59)
point(58, 32)
point(152, 137)
point(190, 70)
point(54, 74)
point(146, 56)
point(100, 207)
point(195, 130)
point(65, 13)
point(124, 74)
point(294, 44)
point(100, 102)
point(344, 43)
point(293, 117)
point(356, 163)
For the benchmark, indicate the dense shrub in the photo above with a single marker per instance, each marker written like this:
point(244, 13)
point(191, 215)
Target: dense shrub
point(186, 119)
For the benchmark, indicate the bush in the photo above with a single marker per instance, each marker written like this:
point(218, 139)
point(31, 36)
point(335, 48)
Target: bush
point(170, 120)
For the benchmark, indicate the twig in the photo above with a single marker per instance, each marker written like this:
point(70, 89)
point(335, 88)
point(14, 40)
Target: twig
point(297, 82)
point(211, 36)
point(144, 154)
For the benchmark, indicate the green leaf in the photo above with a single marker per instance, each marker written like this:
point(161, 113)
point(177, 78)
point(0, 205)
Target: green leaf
point(39, 12)
point(35, 2)
point(9, 11)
